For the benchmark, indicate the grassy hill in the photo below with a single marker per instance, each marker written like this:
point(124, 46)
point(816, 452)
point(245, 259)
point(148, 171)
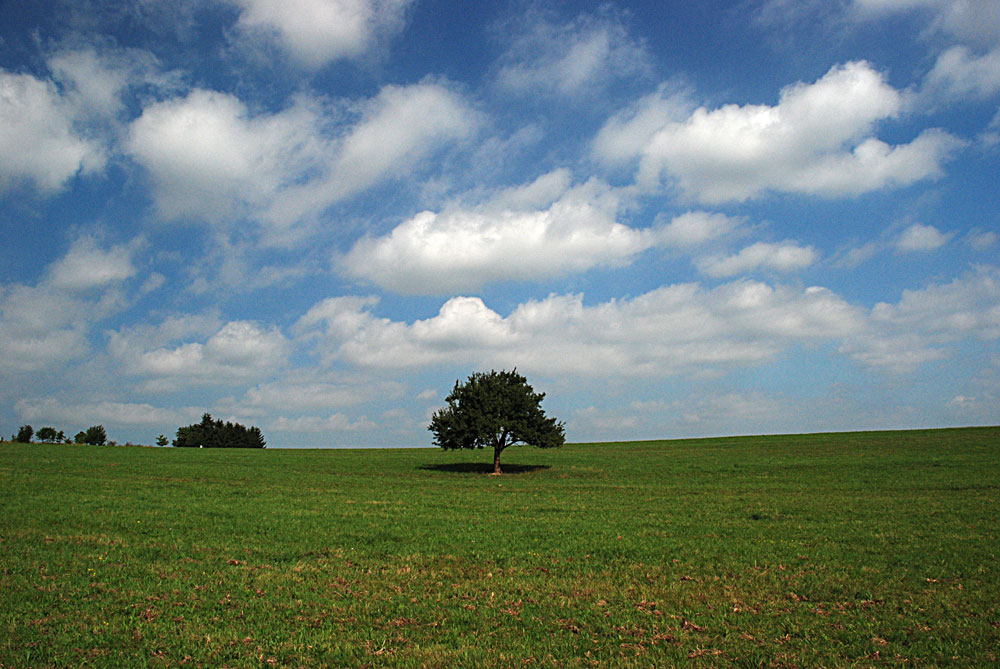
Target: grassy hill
point(836, 549)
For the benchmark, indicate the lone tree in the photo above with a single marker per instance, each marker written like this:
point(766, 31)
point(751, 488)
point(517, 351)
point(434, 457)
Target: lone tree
point(495, 410)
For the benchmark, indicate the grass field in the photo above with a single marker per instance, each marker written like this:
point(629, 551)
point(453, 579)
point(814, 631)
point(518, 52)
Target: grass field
point(861, 549)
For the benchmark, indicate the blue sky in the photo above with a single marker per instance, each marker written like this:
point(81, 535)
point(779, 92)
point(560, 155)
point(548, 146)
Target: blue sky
point(676, 219)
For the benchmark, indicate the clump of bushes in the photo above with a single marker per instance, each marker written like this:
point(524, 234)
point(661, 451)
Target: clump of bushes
point(216, 434)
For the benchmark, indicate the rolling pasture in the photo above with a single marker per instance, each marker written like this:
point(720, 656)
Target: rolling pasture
point(858, 549)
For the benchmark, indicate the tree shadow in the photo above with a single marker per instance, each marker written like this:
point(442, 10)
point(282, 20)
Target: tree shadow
point(481, 468)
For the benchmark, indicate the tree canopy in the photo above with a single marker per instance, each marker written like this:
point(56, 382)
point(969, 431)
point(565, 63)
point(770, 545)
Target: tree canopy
point(95, 435)
point(495, 410)
point(216, 434)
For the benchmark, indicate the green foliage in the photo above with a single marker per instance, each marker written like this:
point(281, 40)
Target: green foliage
point(849, 550)
point(95, 436)
point(216, 434)
point(495, 410)
point(47, 435)
point(80, 438)
point(24, 434)
point(162, 440)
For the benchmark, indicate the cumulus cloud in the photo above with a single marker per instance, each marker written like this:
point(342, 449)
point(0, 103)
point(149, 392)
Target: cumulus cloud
point(337, 422)
point(543, 229)
point(93, 80)
point(40, 142)
point(317, 32)
point(915, 238)
point(48, 323)
point(878, 7)
point(696, 227)
point(103, 413)
point(966, 306)
point(625, 135)
point(695, 413)
point(816, 141)
point(923, 325)
point(981, 240)
point(920, 237)
point(959, 74)
point(210, 158)
point(975, 22)
point(289, 395)
point(991, 136)
point(40, 327)
point(969, 69)
point(87, 266)
point(676, 329)
point(784, 257)
point(572, 59)
point(461, 249)
point(239, 351)
point(399, 128)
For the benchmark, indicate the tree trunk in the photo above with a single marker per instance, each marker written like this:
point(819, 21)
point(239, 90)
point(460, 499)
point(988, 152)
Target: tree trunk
point(496, 461)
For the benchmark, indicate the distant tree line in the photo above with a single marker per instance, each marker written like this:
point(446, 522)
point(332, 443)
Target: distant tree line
point(94, 435)
point(216, 434)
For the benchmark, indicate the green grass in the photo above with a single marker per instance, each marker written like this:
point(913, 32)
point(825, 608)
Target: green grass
point(864, 549)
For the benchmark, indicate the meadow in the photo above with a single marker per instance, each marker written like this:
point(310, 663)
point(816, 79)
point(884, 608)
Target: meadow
point(855, 549)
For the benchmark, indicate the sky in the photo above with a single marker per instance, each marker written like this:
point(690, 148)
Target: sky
point(676, 219)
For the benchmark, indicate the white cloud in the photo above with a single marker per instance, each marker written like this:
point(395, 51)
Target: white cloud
point(858, 255)
point(40, 327)
point(239, 351)
point(784, 257)
point(96, 87)
point(921, 326)
point(970, 21)
point(400, 127)
point(899, 354)
point(919, 237)
point(39, 141)
point(814, 141)
point(991, 136)
point(211, 159)
point(337, 422)
point(294, 395)
point(55, 411)
point(86, 266)
point(625, 135)
point(48, 324)
point(93, 80)
point(916, 237)
point(572, 59)
point(878, 7)
point(966, 306)
point(676, 329)
point(697, 227)
point(981, 240)
point(461, 249)
point(720, 412)
point(958, 74)
point(316, 32)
